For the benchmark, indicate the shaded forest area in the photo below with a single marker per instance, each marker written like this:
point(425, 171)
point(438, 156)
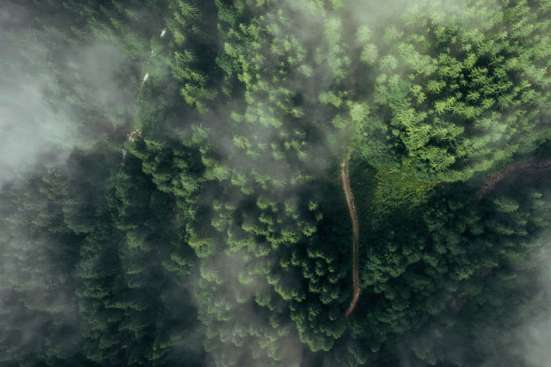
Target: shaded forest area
point(215, 182)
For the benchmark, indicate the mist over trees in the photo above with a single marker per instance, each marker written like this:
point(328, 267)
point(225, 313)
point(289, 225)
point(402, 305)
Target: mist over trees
point(170, 183)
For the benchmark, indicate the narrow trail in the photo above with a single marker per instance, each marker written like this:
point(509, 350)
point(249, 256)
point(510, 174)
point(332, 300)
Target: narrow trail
point(527, 166)
point(489, 185)
point(350, 202)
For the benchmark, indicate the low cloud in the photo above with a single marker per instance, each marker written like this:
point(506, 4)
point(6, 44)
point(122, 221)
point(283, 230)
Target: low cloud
point(39, 112)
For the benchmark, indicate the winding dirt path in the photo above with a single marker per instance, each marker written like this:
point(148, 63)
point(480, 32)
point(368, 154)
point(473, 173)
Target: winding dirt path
point(489, 185)
point(527, 166)
point(353, 213)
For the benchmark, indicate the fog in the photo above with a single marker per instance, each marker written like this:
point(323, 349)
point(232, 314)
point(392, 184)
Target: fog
point(44, 96)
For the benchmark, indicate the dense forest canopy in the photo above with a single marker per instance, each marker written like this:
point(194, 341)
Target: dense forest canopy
point(275, 183)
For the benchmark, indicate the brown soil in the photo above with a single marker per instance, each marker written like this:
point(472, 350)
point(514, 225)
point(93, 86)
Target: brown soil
point(350, 202)
point(521, 167)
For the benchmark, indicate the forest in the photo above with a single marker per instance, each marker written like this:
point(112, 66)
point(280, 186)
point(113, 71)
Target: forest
point(286, 183)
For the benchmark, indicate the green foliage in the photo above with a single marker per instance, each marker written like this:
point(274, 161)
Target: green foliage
point(202, 221)
point(37, 274)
